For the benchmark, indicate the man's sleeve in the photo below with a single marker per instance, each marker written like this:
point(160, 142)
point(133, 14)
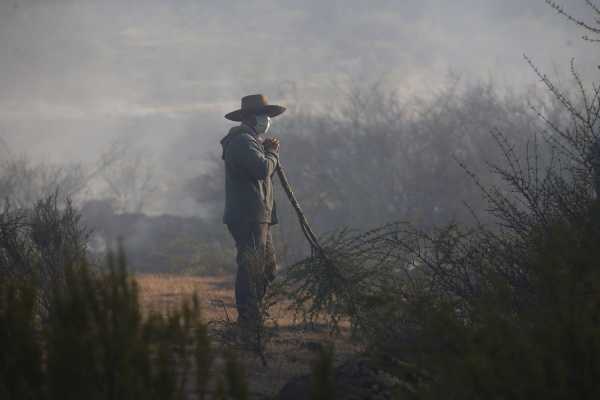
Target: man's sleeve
point(247, 153)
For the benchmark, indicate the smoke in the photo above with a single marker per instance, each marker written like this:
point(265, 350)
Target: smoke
point(79, 74)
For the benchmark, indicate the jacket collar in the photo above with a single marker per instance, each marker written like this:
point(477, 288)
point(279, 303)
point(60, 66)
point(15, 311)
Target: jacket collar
point(249, 128)
point(235, 131)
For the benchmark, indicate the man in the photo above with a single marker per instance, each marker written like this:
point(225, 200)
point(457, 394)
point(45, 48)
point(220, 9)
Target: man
point(250, 162)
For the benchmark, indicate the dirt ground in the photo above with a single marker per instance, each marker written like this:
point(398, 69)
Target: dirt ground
point(289, 352)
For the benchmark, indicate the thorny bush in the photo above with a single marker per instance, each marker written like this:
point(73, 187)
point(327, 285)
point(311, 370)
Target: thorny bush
point(503, 309)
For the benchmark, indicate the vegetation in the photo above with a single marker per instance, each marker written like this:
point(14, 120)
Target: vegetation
point(97, 344)
point(505, 308)
point(69, 330)
point(323, 377)
point(37, 243)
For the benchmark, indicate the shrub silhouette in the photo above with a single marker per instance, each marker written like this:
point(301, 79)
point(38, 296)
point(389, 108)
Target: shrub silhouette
point(323, 374)
point(496, 345)
point(20, 351)
point(97, 344)
point(36, 244)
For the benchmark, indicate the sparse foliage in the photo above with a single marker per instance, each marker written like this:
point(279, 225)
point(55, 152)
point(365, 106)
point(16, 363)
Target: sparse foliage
point(591, 27)
point(129, 179)
point(35, 245)
point(23, 183)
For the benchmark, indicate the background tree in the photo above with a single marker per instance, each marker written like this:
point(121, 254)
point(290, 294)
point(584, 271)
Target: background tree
point(130, 179)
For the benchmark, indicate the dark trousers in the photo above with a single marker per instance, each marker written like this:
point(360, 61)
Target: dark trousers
point(256, 266)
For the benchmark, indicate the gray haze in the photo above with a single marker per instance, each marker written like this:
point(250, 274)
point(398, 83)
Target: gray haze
point(75, 74)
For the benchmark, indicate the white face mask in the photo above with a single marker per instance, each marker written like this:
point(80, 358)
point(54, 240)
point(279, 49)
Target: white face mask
point(263, 123)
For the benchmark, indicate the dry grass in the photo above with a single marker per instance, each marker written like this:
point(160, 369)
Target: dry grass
point(289, 353)
point(161, 291)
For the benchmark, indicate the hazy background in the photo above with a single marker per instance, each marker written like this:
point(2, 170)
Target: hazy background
point(78, 75)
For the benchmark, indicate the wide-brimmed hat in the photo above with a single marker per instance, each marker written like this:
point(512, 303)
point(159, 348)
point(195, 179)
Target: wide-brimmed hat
point(255, 104)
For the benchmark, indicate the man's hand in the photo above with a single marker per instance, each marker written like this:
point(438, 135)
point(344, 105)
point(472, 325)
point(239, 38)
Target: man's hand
point(271, 144)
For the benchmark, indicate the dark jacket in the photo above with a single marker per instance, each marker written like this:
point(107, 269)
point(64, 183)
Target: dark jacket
point(248, 184)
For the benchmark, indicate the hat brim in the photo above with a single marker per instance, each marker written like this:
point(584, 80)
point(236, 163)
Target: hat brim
point(271, 110)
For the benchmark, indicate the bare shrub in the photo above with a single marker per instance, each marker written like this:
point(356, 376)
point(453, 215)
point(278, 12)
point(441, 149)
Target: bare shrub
point(23, 183)
point(36, 244)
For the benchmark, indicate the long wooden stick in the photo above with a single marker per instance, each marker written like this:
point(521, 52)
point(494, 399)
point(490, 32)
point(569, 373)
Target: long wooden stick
point(306, 229)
